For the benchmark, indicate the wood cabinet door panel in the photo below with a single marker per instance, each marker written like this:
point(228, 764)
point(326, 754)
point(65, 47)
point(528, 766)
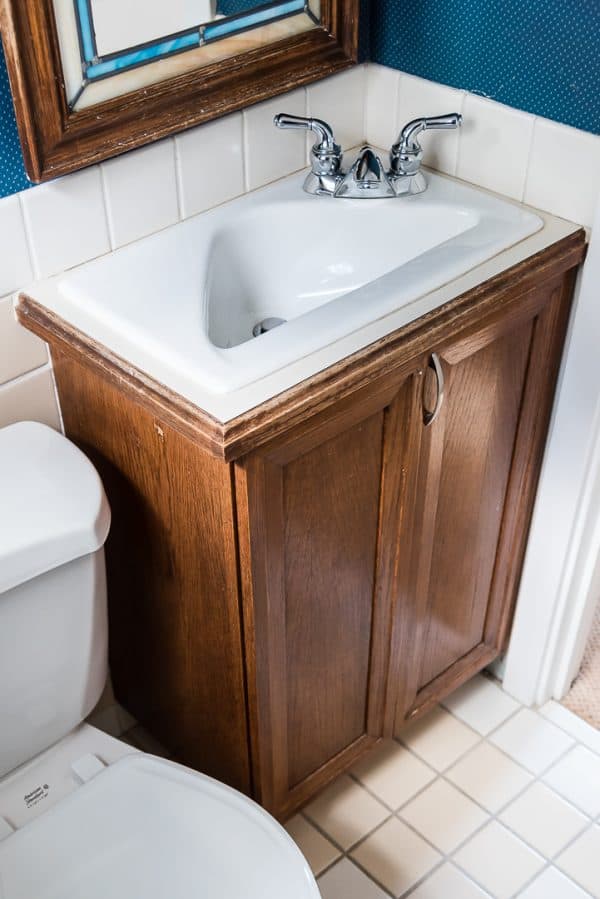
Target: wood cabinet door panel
point(313, 526)
point(479, 462)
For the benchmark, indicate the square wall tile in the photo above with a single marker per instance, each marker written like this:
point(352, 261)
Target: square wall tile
point(30, 398)
point(531, 740)
point(202, 153)
point(340, 101)
point(448, 883)
point(544, 820)
point(346, 881)
point(15, 265)
point(443, 815)
point(346, 812)
point(489, 777)
point(481, 704)
point(381, 106)
point(66, 222)
point(20, 350)
point(494, 146)
point(551, 884)
point(577, 778)
point(317, 850)
point(580, 861)
point(393, 773)
point(141, 192)
point(419, 97)
point(499, 861)
point(564, 171)
point(439, 739)
point(396, 857)
point(270, 153)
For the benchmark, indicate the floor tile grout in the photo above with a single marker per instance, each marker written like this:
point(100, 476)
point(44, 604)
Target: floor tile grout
point(449, 857)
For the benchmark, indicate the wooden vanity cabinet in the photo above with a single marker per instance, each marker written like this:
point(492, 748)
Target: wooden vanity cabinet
point(290, 587)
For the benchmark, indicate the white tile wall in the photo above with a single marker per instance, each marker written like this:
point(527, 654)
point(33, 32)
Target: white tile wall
point(545, 164)
point(141, 192)
point(341, 102)
point(210, 164)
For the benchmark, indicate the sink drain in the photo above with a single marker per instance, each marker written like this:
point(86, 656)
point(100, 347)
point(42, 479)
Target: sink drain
point(267, 324)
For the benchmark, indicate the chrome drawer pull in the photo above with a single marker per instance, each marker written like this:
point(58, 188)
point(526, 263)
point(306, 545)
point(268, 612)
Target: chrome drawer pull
point(436, 365)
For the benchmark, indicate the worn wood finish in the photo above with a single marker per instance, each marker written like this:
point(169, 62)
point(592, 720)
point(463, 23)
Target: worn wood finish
point(388, 359)
point(274, 617)
point(56, 141)
point(175, 632)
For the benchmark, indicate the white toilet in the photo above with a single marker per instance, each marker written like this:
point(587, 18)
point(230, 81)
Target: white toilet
point(83, 815)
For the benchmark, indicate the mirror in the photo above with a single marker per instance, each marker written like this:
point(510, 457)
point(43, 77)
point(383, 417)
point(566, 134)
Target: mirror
point(111, 47)
point(94, 78)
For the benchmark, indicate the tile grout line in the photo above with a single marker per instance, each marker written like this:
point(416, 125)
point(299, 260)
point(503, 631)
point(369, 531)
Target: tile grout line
point(449, 857)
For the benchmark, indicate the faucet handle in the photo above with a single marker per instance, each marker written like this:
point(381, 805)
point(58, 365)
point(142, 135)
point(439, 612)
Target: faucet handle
point(324, 139)
point(406, 153)
point(326, 155)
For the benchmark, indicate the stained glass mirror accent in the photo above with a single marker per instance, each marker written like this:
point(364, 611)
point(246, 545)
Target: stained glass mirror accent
point(128, 44)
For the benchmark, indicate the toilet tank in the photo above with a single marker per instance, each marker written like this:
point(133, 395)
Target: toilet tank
point(54, 520)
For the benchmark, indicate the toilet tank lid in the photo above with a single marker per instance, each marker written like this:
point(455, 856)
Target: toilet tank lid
point(52, 504)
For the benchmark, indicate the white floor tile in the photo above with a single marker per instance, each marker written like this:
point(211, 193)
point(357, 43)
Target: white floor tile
point(581, 861)
point(551, 884)
point(439, 739)
point(577, 778)
point(499, 861)
point(544, 820)
point(346, 881)
point(581, 730)
point(396, 857)
point(393, 774)
point(481, 704)
point(448, 883)
point(531, 740)
point(444, 816)
point(346, 812)
point(317, 850)
point(489, 777)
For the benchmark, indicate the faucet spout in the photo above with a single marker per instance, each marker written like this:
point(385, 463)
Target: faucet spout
point(366, 178)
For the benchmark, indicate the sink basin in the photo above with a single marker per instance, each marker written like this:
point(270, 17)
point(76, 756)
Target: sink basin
point(284, 261)
point(182, 304)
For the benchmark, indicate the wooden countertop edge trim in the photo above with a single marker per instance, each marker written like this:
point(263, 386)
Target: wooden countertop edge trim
point(231, 440)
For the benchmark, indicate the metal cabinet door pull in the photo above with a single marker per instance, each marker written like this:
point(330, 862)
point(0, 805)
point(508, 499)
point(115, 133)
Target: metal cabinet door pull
point(436, 365)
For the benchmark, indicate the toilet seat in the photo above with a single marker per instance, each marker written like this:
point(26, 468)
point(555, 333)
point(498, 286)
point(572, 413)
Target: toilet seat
point(145, 828)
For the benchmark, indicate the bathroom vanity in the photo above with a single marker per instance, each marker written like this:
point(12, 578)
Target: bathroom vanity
point(291, 582)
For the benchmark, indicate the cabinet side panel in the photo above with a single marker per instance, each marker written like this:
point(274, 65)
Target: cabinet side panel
point(175, 641)
point(331, 507)
point(483, 401)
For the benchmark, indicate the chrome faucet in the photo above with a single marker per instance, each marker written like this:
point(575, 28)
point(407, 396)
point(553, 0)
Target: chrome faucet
point(367, 176)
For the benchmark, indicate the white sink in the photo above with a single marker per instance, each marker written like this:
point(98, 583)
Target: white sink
point(181, 305)
point(285, 260)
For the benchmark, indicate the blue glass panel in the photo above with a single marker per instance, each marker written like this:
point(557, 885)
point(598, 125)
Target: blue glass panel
point(131, 58)
point(86, 30)
point(225, 27)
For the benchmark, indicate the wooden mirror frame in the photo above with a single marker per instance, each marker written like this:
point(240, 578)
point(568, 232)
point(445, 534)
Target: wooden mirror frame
point(56, 141)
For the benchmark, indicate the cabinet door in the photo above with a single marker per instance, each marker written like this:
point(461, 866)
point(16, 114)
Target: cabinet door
point(479, 464)
point(314, 526)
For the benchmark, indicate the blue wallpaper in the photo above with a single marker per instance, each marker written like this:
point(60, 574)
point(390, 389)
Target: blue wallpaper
point(542, 56)
point(539, 55)
point(12, 174)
